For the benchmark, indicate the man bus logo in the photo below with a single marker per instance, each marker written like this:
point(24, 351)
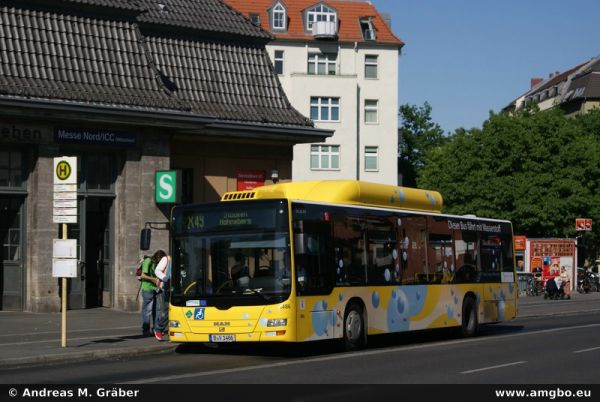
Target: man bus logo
point(63, 170)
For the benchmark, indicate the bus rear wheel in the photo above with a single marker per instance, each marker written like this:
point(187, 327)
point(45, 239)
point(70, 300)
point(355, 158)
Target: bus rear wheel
point(354, 328)
point(470, 324)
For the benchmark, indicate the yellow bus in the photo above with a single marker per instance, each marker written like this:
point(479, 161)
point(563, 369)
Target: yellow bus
point(307, 261)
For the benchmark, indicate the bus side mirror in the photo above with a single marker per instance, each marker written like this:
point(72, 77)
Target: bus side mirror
point(145, 237)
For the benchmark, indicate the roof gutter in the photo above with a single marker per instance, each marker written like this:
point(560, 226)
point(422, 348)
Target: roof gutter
point(177, 121)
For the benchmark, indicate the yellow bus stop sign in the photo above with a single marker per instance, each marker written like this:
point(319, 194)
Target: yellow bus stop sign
point(65, 170)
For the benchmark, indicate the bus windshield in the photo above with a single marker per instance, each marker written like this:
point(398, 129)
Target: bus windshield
point(231, 253)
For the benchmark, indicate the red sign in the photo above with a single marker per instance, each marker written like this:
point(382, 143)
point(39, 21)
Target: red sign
point(250, 179)
point(520, 243)
point(583, 224)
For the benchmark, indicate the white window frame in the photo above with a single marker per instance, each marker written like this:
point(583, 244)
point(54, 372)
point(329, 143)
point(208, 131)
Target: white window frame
point(278, 16)
point(323, 103)
point(320, 13)
point(329, 152)
point(370, 153)
point(280, 59)
point(371, 105)
point(371, 63)
point(322, 59)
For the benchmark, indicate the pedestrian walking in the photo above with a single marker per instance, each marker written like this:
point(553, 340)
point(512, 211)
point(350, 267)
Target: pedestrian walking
point(163, 274)
point(149, 296)
point(566, 281)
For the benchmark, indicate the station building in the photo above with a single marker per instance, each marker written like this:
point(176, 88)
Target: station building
point(129, 88)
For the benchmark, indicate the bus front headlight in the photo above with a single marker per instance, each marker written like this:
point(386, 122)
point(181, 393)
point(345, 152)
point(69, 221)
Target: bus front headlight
point(174, 324)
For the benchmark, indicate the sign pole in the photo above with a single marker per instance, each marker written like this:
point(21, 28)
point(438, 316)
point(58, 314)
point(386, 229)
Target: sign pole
point(64, 299)
point(64, 211)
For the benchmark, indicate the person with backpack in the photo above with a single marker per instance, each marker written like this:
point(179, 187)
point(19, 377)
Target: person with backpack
point(163, 274)
point(149, 296)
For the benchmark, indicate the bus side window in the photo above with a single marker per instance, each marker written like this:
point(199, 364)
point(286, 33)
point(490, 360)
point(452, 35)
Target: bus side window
point(413, 249)
point(313, 257)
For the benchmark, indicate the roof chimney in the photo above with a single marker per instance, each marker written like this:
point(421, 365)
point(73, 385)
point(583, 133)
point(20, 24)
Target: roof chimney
point(388, 19)
point(535, 81)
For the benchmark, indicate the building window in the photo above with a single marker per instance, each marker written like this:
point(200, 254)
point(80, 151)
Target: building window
point(371, 66)
point(322, 63)
point(10, 228)
point(371, 106)
point(325, 157)
point(278, 16)
point(319, 13)
point(324, 109)
point(278, 61)
point(11, 168)
point(366, 27)
point(255, 19)
point(371, 159)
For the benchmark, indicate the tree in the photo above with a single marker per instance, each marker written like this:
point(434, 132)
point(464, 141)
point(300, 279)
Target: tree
point(418, 134)
point(538, 169)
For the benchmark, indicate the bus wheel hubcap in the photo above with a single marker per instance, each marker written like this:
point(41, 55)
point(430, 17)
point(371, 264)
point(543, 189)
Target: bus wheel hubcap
point(353, 324)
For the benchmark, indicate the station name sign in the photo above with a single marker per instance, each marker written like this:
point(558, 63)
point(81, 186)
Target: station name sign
point(94, 137)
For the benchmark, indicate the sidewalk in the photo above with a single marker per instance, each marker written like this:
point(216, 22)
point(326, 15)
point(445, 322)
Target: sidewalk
point(35, 338)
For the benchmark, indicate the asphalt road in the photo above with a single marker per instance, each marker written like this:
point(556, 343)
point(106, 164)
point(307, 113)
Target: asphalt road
point(563, 347)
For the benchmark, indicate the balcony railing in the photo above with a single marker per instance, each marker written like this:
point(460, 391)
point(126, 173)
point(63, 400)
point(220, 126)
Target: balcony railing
point(324, 30)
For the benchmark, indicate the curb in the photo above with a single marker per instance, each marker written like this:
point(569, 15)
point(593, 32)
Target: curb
point(44, 359)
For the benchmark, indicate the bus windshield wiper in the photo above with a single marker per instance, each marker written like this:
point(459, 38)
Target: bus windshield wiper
point(256, 292)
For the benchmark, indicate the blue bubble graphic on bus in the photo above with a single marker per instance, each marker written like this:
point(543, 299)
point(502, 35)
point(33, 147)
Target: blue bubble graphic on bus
point(450, 312)
point(401, 305)
point(501, 310)
point(341, 296)
point(401, 196)
point(416, 296)
point(320, 317)
point(332, 318)
point(398, 312)
point(263, 322)
point(375, 299)
point(511, 288)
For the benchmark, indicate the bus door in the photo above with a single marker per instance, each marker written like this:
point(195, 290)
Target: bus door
point(314, 275)
point(497, 276)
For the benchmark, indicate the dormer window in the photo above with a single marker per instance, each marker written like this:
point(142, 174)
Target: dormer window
point(320, 13)
point(366, 26)
point(278, 16)
point(255, 19)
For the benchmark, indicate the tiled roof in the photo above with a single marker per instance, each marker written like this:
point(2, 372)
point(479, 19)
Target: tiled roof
point(75, 58)
point(206, 15)
point(349, 14)
point(49, 55)
point(216, 79)
point(581, 81)
point(118, 4)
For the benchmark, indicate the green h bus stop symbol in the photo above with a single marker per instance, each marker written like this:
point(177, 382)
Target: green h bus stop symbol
point(168, 186)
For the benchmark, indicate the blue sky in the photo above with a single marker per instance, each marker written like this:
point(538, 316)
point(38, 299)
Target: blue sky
point(467, 57)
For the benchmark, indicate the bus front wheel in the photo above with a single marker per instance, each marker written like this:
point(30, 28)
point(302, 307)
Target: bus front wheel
point(354, 328)
point(470, 323)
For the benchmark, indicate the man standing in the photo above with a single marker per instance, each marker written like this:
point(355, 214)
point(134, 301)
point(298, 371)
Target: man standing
point(149, 296)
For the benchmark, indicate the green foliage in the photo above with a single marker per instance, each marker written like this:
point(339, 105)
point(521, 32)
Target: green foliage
point(418, 135)
point(541, 170)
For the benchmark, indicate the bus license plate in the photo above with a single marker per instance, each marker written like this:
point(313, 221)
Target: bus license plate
point(222, 338)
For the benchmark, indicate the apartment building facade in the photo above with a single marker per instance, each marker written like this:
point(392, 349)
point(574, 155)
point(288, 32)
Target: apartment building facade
point(337, 61)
